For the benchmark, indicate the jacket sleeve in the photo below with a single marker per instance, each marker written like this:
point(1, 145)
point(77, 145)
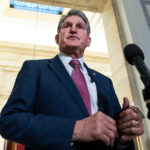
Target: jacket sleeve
point(19, 123)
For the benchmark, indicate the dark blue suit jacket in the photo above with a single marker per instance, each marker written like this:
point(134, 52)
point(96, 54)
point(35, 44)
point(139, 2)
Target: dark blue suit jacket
point(44, 105)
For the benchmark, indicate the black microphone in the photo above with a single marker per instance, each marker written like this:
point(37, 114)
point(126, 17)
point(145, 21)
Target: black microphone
point(135, 56)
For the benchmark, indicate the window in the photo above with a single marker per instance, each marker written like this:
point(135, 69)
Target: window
point(35, 7)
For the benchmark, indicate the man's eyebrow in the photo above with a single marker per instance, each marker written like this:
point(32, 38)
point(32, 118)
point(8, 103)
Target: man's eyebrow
point(72, 22)
point(77, 23)
point(67, 22)
point(81, 23)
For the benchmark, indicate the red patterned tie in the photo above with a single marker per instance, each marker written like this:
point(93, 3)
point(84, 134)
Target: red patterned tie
point(79, 80)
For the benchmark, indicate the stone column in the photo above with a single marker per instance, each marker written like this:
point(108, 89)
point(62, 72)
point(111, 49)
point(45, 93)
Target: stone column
point(130, 27)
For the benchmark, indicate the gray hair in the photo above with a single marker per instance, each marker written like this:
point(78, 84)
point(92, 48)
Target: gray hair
point(76, 13)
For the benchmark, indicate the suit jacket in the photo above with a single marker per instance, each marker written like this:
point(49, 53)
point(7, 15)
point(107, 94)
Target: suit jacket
point(45, 104)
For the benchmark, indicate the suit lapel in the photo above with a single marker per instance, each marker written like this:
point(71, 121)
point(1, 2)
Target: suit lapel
point(57, 67)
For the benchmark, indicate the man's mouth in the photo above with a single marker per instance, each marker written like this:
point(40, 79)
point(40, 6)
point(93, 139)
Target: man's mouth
point(73, 37)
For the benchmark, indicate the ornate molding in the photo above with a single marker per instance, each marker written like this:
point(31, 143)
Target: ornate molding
point(16, 53)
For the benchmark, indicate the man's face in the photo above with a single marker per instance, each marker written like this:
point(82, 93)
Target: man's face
point(73, 36)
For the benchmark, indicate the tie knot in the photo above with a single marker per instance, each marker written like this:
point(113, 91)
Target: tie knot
point(74, 63)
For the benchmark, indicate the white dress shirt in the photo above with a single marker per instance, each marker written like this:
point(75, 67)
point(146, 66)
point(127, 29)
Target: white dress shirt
point(91, 85)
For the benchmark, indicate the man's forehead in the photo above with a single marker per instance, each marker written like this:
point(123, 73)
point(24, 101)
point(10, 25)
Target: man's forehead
point(74, 18)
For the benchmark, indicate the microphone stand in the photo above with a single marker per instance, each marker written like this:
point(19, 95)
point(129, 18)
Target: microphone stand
point(146, 95)
point(145, 77)
point(146, 92)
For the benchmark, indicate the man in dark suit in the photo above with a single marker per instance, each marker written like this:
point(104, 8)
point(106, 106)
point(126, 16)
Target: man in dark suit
point(47, 110)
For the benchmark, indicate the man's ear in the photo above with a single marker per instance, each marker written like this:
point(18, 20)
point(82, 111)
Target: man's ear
point(57, 38)
point(89, 41)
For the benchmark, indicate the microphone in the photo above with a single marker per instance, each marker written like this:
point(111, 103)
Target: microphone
point(135, 56)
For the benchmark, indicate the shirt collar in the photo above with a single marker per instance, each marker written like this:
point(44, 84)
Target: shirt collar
point(66, 59)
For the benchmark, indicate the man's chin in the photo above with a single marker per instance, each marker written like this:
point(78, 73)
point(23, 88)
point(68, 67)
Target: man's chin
point(72, 46)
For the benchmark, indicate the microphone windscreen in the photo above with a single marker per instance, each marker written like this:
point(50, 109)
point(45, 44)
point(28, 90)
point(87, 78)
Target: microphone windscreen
point(131, 51)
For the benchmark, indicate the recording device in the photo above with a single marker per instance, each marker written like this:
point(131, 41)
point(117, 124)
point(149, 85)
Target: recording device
point(135, 56)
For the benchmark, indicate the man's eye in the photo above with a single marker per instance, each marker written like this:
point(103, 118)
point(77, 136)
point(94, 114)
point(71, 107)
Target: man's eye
point(79, 26)
point(66, 26)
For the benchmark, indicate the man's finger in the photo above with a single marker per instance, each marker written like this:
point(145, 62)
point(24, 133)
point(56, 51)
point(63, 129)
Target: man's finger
point(126, 138)
point(111, 135)
point(126, 102)
point(133, 130)
point(106, 140)
point(128, 116)
point(129, 124)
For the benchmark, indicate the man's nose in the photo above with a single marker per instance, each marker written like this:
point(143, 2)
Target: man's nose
point(73, 29)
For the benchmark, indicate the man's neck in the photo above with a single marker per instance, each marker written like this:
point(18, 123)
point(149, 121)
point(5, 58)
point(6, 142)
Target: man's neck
point(75, 54)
